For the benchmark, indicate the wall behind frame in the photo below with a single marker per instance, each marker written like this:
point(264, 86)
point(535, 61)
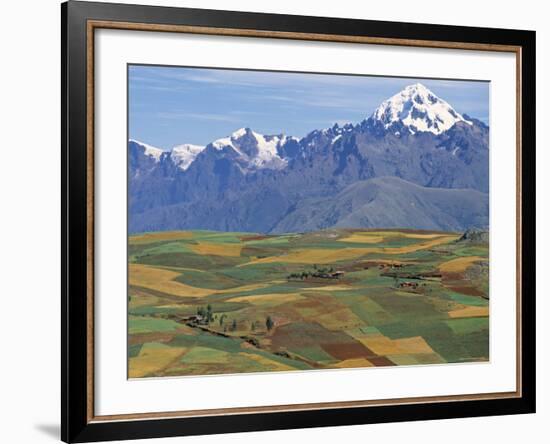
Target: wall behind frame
point(29, 227)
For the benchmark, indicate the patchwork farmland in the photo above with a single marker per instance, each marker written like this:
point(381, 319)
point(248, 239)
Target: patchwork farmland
point(205, 302)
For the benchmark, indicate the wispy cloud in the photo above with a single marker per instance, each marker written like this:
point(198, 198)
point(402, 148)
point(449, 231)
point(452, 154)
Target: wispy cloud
point(198, 116)
point(254, 78)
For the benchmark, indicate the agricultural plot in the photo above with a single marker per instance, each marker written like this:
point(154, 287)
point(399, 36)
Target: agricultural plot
point(203, 302)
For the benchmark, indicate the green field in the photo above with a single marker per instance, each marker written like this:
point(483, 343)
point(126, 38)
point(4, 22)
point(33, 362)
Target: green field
point(204, 302)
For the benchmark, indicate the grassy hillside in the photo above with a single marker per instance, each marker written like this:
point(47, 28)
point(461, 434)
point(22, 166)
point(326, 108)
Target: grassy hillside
point(205, 302)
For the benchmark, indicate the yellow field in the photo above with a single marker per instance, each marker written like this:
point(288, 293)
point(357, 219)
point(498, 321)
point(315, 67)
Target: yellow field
point(177, 306)
point(354, 363)
point(414, 345)
point(330, 288)
point(469, 312)
point(142, 300)
point(311, 256)
point(378, 237)
point(271, 298)
point(147, 238)
point(383, 345)
point(324, 256)
point(390, 234)
point(162, 280)
point(152, 359)
point(420, 246)
point(460, 264)
point(366, 238)
point(214, 249)
point(420, 236)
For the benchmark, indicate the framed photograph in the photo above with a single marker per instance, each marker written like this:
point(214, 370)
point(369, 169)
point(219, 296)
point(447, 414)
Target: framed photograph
point(275, 221)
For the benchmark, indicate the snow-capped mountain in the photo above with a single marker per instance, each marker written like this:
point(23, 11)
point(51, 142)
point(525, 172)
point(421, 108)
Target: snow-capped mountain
point(183, 155)
point(336, 176)
point(418, 109)
point(148, 150)
point(253, 150)
point(415, 107)
point(143, 159)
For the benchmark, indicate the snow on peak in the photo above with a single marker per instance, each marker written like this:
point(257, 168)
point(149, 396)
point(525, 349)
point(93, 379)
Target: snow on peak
point(419, 109)
point(222, 143)
point(267, 151)
point(232, 141)
point(240, 133)
point(253, 149)
point(149, 150)
point(184, 155)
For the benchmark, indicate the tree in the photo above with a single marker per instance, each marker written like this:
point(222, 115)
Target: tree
point(234, 325)
point(269, 323)
point(209, 315)
point(222, 318)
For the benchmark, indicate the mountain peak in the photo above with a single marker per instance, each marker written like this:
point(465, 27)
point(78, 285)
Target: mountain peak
point(233, 140)
point(149, 150)
point(184, 155)
point(240, 133)
point(254, 150)
point(417, 88)
point(418, 109)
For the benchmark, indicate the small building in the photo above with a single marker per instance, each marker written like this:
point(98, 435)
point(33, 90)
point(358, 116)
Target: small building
point(196, 319)
point(408, 284)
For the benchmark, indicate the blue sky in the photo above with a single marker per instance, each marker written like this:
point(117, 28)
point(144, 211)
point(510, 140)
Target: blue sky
point(169, 106)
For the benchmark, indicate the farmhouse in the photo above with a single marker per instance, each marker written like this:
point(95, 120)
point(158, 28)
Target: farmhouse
point(409, 284)
point(196, 319)
point(329, 275)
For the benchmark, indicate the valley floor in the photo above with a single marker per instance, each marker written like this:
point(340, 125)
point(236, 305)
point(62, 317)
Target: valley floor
point(204, 302)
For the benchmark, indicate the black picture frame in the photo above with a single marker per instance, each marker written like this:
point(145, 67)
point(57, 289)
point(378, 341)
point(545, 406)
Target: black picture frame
point(76, 423)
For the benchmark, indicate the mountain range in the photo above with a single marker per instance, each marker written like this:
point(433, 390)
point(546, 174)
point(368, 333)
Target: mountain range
point(414, 163)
